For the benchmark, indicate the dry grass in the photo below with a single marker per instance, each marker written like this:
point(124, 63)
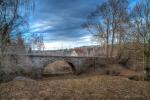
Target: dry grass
point(75, 88)
point(57, 67)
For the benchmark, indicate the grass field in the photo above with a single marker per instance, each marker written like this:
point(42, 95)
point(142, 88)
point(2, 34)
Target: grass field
point(71, 87)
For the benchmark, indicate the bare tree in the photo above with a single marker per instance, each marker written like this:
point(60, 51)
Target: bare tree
point(37, 42)
point(11, 20)
point(12, 17)
point(108, 22)
point(141, 35)
point(114, 23)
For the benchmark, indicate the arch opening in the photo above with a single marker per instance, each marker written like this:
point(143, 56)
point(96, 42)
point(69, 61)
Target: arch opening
point(72, 66)
point(59, 67)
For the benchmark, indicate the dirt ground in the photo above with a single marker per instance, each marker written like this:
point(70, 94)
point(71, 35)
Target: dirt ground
point(71, 87)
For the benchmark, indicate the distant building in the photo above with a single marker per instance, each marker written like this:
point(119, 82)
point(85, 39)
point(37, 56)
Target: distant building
point(78, 52)
point(74, 53)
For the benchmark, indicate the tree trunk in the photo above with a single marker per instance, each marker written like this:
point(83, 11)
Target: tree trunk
point(107, 40)
point(147, 67)
point(119, 46)
point(112, 44)
point(113, 35)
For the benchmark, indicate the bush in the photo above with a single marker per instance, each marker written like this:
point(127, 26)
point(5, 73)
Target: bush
point(35, 73)
point(112, 72)
point(6, 76)
point(124, 61)
point(123, 57)
point(135, 77)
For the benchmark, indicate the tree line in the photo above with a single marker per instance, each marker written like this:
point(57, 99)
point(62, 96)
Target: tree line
point(13, 23)
point(121, 25)
point(13, 19)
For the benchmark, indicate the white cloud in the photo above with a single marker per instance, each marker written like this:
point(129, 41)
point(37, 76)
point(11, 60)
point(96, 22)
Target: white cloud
point(62, 44)
point(41, 25)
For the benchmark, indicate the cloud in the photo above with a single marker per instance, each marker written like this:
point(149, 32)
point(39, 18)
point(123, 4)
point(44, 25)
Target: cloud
point(62, 19)
point(66, 44)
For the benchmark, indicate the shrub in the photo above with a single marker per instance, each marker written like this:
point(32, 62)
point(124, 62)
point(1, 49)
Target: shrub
point(6, 76)
point(112, 72)
point(35, 73)
point(135, 77)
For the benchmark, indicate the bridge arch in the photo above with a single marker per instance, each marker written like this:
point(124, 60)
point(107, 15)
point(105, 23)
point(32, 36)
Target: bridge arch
point(72, 66)
point(60, 65)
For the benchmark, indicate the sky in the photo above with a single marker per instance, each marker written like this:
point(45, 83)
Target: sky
point(59, 21)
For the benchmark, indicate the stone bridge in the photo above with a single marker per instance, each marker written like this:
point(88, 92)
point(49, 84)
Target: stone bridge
point(78, 64)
